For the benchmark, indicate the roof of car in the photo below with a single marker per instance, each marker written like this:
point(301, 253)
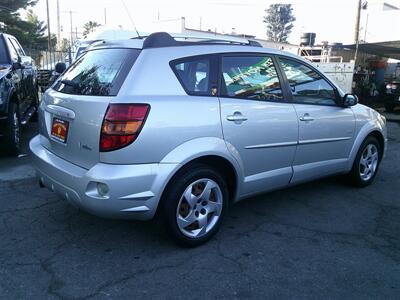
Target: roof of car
point(207, 46)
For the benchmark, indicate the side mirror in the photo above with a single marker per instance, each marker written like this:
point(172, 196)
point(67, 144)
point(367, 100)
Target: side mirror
point(26, 61)
point(60, 67)
point(350, 100)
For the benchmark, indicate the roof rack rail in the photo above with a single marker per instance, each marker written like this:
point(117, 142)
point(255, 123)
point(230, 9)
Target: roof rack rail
point(164, 39)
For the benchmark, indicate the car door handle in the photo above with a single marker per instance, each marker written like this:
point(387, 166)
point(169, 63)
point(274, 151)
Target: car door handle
point(236, 117)
point(306, 118)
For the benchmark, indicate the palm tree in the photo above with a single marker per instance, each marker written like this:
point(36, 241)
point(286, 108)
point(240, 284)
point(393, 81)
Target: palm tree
point(89, 27)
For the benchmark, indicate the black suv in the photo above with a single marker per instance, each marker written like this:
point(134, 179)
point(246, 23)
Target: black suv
point(18, 92)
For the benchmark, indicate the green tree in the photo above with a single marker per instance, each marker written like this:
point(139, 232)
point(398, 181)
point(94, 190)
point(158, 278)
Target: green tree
point(36, 30)
point(279, 19)
point(10, 17)
point(89, 27)
point(29, 32)
point(14, 5)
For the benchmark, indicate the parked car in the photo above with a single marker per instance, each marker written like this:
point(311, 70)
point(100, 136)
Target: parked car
point(182, 129)
point(18, 91)
point(392, 99)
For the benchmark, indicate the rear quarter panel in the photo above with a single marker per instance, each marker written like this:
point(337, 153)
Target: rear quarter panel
point(172, 121)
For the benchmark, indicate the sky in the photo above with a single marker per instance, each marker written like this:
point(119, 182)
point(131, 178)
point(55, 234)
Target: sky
point(332, 20)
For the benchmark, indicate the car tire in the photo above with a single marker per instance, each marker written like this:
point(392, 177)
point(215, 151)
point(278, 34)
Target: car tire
point(366, 163)
point(194, 204)
point(13, 130)
point(35, 116)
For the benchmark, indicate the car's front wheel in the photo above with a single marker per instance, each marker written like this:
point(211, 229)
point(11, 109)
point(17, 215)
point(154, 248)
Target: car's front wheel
point(194, 205)
point(366, 164)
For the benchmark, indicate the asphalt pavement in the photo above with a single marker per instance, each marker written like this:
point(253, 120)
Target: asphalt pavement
point(321, 240)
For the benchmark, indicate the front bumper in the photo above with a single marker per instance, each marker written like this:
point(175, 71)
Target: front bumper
point(133, 190)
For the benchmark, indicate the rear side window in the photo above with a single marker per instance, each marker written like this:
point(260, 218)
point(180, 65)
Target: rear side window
point(97, 72)
point(194, 75)
point(306, 85)
point(250, 77)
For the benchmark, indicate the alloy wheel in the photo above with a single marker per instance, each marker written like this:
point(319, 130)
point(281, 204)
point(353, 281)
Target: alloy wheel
point(16, 128)
point(368, 162)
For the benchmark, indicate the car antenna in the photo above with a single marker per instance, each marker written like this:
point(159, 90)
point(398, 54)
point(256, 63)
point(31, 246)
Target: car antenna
point(130, 18)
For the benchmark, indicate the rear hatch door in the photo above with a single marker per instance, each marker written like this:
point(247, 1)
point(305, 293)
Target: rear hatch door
point(72, 111)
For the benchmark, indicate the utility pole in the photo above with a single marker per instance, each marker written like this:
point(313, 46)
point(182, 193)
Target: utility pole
point(365, 7)
point(48, 27)
point(105, 16)
point(70, 12)
point(58, 25)
point(365, 30)
point(357, 25)
point(70, 20)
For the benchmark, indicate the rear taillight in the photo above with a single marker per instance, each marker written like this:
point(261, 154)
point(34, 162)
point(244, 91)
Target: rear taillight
point(121, 125)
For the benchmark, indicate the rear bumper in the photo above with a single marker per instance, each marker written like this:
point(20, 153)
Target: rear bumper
point(134, 190)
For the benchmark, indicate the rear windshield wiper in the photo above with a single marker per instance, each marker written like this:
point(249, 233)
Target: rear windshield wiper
point(70, 83)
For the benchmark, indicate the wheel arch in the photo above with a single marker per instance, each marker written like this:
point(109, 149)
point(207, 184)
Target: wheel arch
point(381, 140)
point(364, 134)
point(224, 166)
point(12, 96)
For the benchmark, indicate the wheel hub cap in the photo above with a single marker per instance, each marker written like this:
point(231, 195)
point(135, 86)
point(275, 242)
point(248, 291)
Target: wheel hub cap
point(199, 208)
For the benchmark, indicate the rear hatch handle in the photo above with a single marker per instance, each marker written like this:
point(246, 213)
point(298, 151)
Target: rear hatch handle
point(60, 111)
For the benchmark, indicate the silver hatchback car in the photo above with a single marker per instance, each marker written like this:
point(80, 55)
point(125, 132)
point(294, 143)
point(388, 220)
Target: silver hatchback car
point(185, 127)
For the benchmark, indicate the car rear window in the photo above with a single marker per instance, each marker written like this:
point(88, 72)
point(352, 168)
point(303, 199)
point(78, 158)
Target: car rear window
point(98, 72)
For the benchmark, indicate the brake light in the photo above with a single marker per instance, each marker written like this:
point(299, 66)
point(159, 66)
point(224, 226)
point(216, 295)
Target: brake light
point(122, 125)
